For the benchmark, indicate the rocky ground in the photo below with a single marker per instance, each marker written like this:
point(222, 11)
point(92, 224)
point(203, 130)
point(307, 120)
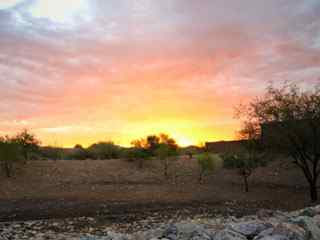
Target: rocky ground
point(264, 225)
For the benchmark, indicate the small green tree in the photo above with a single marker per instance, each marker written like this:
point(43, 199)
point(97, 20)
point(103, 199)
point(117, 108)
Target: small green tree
point(164, 152)
point(207, 164)
point(9, 155)
point(245, 163)
point(28, 143)
point(104, 150)
point(139, 155)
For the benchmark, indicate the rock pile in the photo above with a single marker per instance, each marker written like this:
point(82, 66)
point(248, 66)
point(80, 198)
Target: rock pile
point(265, 225)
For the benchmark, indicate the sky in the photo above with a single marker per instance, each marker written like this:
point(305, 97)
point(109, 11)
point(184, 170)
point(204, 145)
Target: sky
point(80, 71)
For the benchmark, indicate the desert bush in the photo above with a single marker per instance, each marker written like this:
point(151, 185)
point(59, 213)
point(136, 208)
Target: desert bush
point(29, 144)
point(165, 152)
point(207, 164)
point(139, 155)
point(78, 153)
point(10, 155)
point(52, 153)
point(244, 163)
point(104, 150)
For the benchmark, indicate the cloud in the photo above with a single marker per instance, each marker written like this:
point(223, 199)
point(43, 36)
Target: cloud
point(134, 61)
point(5, 4)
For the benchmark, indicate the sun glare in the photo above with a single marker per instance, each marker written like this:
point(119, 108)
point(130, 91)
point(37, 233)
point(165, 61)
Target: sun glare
point(60, 11)
point(184, 142)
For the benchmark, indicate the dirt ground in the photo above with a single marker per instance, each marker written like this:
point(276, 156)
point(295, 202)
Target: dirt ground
point(45, 189)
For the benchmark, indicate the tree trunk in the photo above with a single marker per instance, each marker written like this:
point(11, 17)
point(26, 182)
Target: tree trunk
point(201, 176)
point(313, 191)
point(246, 185)
point(7, 169)
point(140, 163)
point(166, 168)
point(25, 156)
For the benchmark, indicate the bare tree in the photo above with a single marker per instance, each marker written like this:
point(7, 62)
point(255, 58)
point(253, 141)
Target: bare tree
point(289, 121)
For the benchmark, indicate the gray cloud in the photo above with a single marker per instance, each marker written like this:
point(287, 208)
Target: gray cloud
point(171, 47)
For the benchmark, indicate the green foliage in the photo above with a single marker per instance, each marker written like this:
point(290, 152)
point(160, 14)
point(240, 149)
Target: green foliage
point(164, 152)
point(160, 145)
point(207, 163)
point(289, 119)
point(104, 150)
point(28, 143)
point(242, 161)
point(9, 155)
point(152, 142)
point(138, 154)
point(245, 162)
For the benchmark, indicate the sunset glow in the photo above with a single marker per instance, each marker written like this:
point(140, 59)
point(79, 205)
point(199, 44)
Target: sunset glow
point(80, 71)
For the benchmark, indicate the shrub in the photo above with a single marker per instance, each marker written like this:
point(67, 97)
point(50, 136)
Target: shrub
point(245, 163)
point(104, 150)
point(9, 155)
point(28, 143)
point(164, 152)
point(207, 164)
point(139, 155)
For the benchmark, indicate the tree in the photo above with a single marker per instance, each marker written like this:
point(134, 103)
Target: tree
point(104, 150)
point(138, 154)
point(164, 152)
point(161, 145)
point(28, 143)
point(250, 156)
point(9, 155)
point(244, 162)
point(207, 164)
point(289, 121)
point(153, 142)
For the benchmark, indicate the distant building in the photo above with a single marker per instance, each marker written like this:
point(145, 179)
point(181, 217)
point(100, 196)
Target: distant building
point(273, 135)
point(224, 146)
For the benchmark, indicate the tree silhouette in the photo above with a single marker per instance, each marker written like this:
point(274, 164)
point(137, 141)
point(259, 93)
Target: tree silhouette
point(289, 121)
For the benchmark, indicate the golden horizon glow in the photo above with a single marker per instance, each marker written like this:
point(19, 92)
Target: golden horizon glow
point(69, 136)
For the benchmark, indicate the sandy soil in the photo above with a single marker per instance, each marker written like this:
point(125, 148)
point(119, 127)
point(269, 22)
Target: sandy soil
point(44, 189)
